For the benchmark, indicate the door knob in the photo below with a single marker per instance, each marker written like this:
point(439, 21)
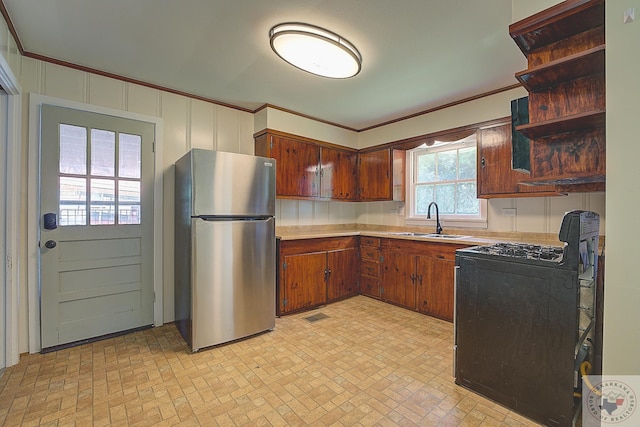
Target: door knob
point(50, 244)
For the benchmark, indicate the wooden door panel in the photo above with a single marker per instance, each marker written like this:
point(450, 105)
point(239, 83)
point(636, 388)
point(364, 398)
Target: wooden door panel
point(396, 279)
point(338, 174)
point(370, 286)
point(304, 285)
point(297, 169)
point(435, 287)
point(495, 173)
point(343, 273)
point(374, 175)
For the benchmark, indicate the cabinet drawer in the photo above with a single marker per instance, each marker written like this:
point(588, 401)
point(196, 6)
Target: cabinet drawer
point(370, 253)
point(370, 241)
point(370, 268)
point(370, 286)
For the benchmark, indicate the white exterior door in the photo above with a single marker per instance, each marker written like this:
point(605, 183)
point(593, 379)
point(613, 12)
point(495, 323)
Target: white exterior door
point(96, 225)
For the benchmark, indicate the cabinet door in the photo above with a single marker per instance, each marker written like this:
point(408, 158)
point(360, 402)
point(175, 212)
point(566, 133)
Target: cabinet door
point(374, 175)
point(370, 286)
point(338, 174)
point(303, 281)
point(496, 176)
point(398, 279)
point(435, 286)
point(297, 167)
point(342, 277)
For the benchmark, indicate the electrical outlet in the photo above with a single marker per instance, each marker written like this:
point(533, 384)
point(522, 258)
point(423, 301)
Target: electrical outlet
point(509, 211)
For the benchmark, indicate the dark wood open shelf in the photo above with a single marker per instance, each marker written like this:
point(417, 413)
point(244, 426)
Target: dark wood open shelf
point(577, 183)
point(575, 123)
point(557, 22)
point(571, 67)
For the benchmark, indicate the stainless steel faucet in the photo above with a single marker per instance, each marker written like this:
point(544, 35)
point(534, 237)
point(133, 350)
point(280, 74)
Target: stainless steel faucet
point(438, 226)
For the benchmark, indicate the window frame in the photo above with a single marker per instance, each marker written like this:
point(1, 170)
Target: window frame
point(454, 220)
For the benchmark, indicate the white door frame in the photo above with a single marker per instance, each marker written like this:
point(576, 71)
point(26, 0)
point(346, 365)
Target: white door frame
point(35, 101)
point(10, 84)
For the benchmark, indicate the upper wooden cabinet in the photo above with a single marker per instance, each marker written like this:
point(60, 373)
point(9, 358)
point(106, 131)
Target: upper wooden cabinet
point(308, 169)
point(381, 175)
point(565, 50)
point(338, 174)
point(374, 175)
point(297, 168)
point(496, 176)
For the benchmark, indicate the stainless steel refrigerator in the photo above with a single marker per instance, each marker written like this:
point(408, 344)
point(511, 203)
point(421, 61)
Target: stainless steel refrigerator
point(225, 250)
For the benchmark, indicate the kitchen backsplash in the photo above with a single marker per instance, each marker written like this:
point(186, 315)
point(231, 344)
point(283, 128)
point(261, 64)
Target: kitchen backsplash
point(532, 215)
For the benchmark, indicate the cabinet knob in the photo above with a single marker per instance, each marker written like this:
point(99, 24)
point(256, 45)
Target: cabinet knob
point(483, 162)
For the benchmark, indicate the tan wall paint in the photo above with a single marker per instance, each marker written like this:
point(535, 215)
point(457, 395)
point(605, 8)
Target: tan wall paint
point(622, 287)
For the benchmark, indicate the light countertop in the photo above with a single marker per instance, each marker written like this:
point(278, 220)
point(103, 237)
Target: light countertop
point(471, 237)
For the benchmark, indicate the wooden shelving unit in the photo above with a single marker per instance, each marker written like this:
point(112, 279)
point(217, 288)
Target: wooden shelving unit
point(575, 123)
point(559, 22)
point(565, 78)
point(572, 67)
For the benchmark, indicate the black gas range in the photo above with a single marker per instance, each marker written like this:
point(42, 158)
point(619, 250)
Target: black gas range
point(524, 320)
point(521, 252)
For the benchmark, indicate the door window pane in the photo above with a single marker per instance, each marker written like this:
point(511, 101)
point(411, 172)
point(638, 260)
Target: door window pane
point(73, 149)
point(102, 201)
point(103, 152)
point(128, 202)
point(129, 156)
point(73, 201)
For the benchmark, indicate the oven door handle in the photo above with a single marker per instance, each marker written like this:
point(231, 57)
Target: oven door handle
point(455, 318)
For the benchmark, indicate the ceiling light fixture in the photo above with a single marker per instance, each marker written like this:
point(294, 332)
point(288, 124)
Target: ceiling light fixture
point(315, 50)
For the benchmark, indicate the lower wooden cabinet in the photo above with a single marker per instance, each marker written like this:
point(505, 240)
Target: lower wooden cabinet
point(398, 277)
point(313, 272)
point(302, 283)
point(419, 275)
point(435, 287)
point(370, 266)
point(416, 275)
point(342, 273)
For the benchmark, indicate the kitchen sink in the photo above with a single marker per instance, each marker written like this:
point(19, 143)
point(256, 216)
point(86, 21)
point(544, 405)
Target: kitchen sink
point(445, 236)
point(429, 235)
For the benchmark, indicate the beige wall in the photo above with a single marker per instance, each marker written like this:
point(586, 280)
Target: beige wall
point(622, 287)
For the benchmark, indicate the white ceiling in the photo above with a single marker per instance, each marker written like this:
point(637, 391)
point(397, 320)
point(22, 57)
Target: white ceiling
point(417, 54)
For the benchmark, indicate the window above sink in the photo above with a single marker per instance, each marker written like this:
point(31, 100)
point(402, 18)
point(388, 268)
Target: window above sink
point(445, 172)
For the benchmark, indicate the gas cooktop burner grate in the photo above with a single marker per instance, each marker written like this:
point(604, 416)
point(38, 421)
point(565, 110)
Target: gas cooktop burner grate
point(523, 250)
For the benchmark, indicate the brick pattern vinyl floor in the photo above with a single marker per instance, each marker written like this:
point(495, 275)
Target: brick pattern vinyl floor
point(366, 364)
